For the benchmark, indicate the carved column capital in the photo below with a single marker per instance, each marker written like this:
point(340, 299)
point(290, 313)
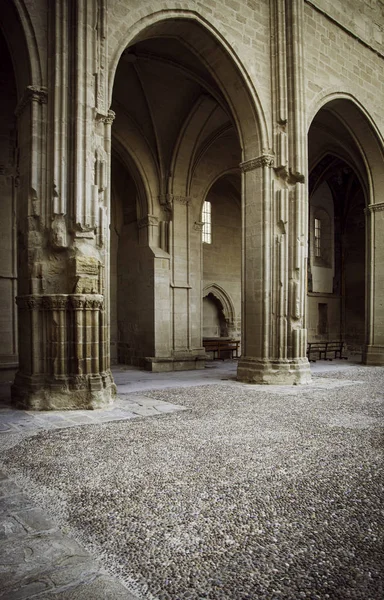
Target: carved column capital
point(198, 225)
point(184, 200)
point(32, 93)
point(168, 200)
point(372, 208)
point(89, 301)
point(29, 302)
point(166, 203)
point(106, 118)
point(265, 160)
point(147, 221)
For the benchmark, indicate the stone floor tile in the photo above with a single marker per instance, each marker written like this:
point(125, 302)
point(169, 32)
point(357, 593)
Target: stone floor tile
point(101, 588)
point(15, 503)
point(5, 427)
point(168, 408)
point(8, 488)
point(10, 527)
point(146, 411)
point(27, 425)
point(34, 519)
point(119, 417)
point(28, 557)
point(81, 419)
point(74, 574)
point(25, 590)
point(51, 416)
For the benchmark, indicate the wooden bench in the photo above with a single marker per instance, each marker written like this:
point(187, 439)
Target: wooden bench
point(322, 350)
point(222, 346)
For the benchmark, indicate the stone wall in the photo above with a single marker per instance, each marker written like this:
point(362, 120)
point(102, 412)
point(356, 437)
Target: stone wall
point(184, 94)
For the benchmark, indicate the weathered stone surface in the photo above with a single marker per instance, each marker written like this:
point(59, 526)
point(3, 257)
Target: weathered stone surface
point(104, 243)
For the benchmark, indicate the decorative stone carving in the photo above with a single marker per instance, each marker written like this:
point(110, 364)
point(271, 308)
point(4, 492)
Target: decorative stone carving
point(198, 225)
point(67, 345)
point(371, 208)
point(107, 119)
point(147, 221)
point(32, 94)
point(167, 200)
point(265, 160)
point(184, 200)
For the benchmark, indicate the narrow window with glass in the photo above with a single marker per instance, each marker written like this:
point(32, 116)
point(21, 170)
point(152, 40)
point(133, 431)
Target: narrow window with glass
point(317, 237)
point(207, 225)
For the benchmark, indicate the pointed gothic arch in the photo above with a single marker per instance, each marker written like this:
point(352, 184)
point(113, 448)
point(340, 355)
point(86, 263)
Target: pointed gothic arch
point(347, 135)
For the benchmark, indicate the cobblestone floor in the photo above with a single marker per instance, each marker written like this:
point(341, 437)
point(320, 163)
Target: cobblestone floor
point(231, 492)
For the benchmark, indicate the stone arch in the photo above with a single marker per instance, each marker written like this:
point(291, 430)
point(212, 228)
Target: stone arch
point(227, 172)
point(220, 60)
point(366, 155)
point(145, 184)
point(335, 152)
point(363, 129)
point(224, 299)
point(17, 28)
point(183, 161)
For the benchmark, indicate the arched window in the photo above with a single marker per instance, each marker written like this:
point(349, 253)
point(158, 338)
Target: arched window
point(207, 223)
point(322, 238)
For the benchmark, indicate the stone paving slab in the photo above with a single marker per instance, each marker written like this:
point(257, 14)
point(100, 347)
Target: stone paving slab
point(38, 561)
point(129, 407)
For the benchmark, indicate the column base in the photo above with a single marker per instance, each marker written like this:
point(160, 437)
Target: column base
point(274, 372)
point(187, 362)
point(373, 355)
point(78, 392)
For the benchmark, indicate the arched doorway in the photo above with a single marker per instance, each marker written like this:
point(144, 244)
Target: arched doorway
point(345, 168)
point(183, 117)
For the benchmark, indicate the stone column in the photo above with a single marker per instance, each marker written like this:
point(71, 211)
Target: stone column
point(274, 245)
point(373, 352)
point(184, 351)
point(275, 222)
point(155, 262)
point(63, 244)
point(64, 366)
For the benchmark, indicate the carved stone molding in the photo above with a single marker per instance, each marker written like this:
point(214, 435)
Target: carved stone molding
point(185, 200)
point(31, 94)
point(167, 200)
point(198, 225)
point(106, 118)
point(147, 221)
point(166, 203)
point(57, 302)
point(83, 301)
point(371, 208)
point(265, 160)
point(61, 302)
point(29, 302)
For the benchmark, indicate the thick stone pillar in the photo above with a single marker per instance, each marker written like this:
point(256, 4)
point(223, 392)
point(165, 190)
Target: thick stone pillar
point(275, 223)
point(184, 351)
point(373, 351)
point(274, 279)
point(63, 231)
point(155, 263)
point(63, 353)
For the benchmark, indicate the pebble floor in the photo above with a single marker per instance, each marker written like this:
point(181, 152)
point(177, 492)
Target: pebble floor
point(253, 492)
